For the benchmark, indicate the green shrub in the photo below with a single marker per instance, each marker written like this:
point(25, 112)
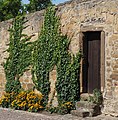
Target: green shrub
point(62, 109)
point(96, 98)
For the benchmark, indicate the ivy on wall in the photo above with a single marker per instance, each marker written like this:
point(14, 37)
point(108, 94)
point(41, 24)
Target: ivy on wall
point(19, 55)
point(44, 55)
point(68, 70)
point(52, 50)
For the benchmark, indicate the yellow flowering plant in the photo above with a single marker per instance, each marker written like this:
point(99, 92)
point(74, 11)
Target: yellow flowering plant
point(7, 99)
point(28, 100)
point(65, 108)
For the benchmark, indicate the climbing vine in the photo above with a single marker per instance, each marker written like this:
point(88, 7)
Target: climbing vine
point(51, 49)
point(19, 55)
point(67, 73)
point(44, 56)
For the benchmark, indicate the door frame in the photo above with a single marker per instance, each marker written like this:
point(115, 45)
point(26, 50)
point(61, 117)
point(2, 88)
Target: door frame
point(102, 53)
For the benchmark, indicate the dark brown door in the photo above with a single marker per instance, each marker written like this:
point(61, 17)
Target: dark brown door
point(91, 63)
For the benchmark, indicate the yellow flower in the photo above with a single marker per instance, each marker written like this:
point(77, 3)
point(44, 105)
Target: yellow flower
point(36, 105)
point(40, 106)
point(2, 97)
point(23, 104)
point(31, 107)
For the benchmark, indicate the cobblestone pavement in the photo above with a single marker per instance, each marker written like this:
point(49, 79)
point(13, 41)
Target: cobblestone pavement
point(8, 114)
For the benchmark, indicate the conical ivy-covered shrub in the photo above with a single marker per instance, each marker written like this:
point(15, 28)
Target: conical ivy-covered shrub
point(19, 55)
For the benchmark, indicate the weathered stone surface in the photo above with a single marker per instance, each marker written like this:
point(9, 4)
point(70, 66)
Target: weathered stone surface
point(111, 107)
point(75, 17)
point(85, 106)
point(30, 86)
point(114, 76)
point(84, 96)
point(52, 95)
point(10, 114)
point(80, 113)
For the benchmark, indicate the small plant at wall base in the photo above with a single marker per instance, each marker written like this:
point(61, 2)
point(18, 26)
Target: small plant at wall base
point(96, 98)
point(62, 109)
point(52, 49)
point(19, 55)
point(28, 100)
point(7, 99)
point(24, 100)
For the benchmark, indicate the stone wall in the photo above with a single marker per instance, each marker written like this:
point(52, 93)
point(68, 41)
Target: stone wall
point(34, 25)
point(75, 17)
point(4, 40)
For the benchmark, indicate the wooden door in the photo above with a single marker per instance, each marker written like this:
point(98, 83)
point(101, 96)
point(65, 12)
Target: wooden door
point(91, 64)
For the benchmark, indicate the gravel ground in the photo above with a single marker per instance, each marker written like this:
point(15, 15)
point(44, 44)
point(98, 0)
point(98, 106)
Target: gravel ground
point(9, 114)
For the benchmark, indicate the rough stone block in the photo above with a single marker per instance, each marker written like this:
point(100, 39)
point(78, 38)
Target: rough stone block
point(24, 86)
point(80, 113)
point(111, 107)
point(30, 86)
point(84, 96)
point(114, 76)
point(92, 108)
point(85, 104)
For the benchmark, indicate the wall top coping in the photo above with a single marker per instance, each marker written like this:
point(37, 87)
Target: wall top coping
point(59, 6)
